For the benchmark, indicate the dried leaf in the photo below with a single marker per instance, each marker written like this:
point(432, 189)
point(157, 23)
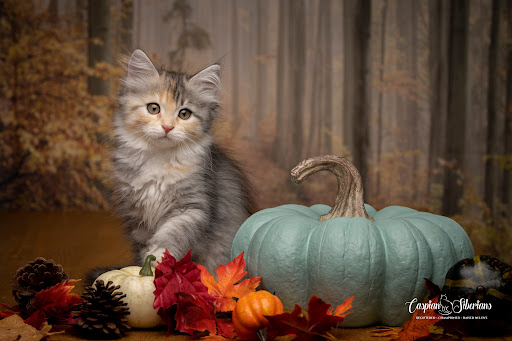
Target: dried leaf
point(225, 328)
point(226, 288)
point(14, 328)
point(419, 324)
point(37, 319)
point(311, 325)
point(194, 314)
point(342, 309)
point(56, 302)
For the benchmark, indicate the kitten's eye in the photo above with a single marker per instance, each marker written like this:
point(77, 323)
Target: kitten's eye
point(184, 114)
point(153, 108)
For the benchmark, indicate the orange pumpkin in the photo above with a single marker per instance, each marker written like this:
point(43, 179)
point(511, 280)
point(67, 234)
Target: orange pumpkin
point(249, 313)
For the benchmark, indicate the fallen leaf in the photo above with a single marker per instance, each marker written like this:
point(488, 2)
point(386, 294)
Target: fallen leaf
point(225, 328)
point(37, 319)
point(226, 288)
point(194, 314)
point(54, 303)
point(419, 324)
point(314, 324)
point(342, 309)
point(178, 284)
point(14, 328)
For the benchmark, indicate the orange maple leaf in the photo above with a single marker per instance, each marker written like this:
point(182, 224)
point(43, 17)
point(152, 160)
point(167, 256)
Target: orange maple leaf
point(341, 310)
point(419, 324)
point(226, 288)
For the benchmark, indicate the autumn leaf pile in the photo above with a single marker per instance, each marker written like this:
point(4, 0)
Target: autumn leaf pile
point(190, 299)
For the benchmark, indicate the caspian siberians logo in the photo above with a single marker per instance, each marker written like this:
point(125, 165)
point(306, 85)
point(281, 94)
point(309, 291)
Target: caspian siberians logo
point(447, 308)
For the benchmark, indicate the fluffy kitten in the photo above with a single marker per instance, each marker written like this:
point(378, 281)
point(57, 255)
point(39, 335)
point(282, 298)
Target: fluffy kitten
point(175, 189)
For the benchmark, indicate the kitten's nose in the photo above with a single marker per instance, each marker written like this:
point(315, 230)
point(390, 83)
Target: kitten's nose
point(167, 128)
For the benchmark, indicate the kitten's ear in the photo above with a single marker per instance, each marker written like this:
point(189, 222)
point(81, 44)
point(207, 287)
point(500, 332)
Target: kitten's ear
point(140, 70)
point(207, 82)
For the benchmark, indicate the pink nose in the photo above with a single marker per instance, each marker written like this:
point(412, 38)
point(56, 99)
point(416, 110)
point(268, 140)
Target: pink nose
point(167, 128)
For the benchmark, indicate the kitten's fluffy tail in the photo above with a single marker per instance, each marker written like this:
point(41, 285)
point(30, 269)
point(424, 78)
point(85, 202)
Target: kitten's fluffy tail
point(92, 274)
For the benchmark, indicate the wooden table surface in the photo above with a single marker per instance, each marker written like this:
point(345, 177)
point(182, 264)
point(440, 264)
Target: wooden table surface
point(83, 240)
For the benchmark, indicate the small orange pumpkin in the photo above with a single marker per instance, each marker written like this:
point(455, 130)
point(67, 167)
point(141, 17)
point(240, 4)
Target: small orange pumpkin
point(249, 313)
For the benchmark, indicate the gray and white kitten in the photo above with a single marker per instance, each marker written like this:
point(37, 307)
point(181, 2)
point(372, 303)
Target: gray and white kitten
point(175, 188)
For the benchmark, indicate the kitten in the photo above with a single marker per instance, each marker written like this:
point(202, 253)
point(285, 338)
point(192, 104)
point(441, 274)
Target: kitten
point(176, 189)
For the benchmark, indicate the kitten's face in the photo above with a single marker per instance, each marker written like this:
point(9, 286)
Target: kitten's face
point(167, 109)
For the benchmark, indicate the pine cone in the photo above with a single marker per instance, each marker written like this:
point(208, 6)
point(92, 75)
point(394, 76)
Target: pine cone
point(35, 276)
point(103, 311)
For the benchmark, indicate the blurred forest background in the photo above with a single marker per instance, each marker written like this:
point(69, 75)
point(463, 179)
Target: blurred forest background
point(417, 93)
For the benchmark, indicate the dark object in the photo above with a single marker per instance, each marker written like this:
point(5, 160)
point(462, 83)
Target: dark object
point(40, 274)
point(480, 292)
point(102, 314)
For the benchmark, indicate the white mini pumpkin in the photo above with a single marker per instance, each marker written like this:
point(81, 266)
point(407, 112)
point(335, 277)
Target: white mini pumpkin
point(137, 283)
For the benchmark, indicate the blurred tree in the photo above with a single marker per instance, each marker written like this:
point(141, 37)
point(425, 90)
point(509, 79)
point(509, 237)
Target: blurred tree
point(50, 153)
point(287, 148)
point(320, 127)
point(126, 26)
point(456, 113)
point(261, 50)
point(100, 47)
point(439, 16)
point(498, 171)
point(356, 34)
point(191, 35)
point(235, 106)
point(380, 101)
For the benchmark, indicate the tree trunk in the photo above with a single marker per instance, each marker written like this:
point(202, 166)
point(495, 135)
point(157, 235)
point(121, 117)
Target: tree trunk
point(327, 131)
point(280, 137)
point(235, 106)
point(288, 142)
point(126, 26)
point(478, 54)
point(456, 113)
point(356, 30)
point(99, 27)
point(499, 95)
point(297, 78)
point(260, 111)
point(507, 177)
point(439, 11)
point(380, 102)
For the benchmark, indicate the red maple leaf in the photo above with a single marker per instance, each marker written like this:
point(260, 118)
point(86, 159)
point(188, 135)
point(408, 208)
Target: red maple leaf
point(54, 303)
point(178, 284)
point(419, 324)
point(314, 324)
point(226, 288)
point(194, 314)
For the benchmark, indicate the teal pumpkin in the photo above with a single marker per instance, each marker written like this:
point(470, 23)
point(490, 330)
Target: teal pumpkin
point(380, 257)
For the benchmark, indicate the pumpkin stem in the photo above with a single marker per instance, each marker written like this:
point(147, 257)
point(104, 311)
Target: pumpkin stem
point(146, 268)
point(349, 201)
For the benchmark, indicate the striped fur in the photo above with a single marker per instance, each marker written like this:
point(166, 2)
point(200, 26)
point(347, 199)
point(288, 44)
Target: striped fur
point(179, 190)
